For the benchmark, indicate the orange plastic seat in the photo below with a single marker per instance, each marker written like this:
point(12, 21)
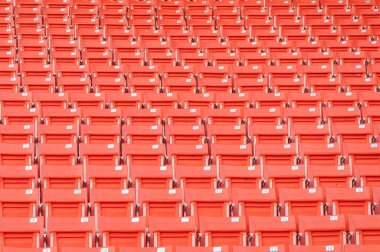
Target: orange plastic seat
point(18, 203)
point(270, 231)
point(218, 231)
point(268, 134)
point(58, 134)
point(71, 232)
point(316, 248)
point(228, 116)
point(113, 202)
point(61, 177)
point(55, 116)
point(285, 176)
point(20, 116)
point(226, 134)
point(183, 116)
point(17, 134)
point(16, 154)
point(95, 134)
point(233, 155)
point(22, 233)
point(207, 202)
point(349, 200)
point(18, 177)
point(201, 249)
point(57, 154)
point(160, 202)
point(147, 155)
point(196, 176)
point(188, 155)
point(100, 154)
point(144, 134)
point(301, 201)
point(64, 203)
point(172, 231)
point(185, 134)
point(361, 248)
point(103, 117)
point(134, 116)
point(256, 202)
point(322, 230)
point(107, 177)
point(241, 176)
point(311, 134)
point(364, 229)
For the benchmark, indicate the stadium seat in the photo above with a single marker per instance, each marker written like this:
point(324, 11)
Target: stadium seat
point(218, 231)
point(22, 232)
point(207, 202)
point(64, 203)
point(122, 232)
point(257, 202)
point(301, 201)
point(113, 202)
point(272, 231)
point(364, 229)
point(349, 200)
point(161, 203)
point(322, 230)
point(71, 232)
point(19, 203)
point(107, 177)
point(177, 231)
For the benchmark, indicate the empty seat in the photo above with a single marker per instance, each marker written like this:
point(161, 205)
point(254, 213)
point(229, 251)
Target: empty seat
point(18, 177)
point(107, 177)
point(270, 231)
point(254, 202)
point(95, 134)
point(55, 116)
point(57, 154)
point(113, 202)
point(241, 176)
point(218, 231)
point(134, 116)
point(144, 134)
point(160, 202)
point(322, 230)
point(188, 155)
point(122, 232)
point(17, 134)
point(201, 249)
point(172, 231)
point(16, 154)
point(185, 134)
point(58, 134)
point(361, 248)
point(193, 116)
point(71, 232)
point(316, 248)
point(259, 249)
point(207, 202)
point(148, 155)
point(196, 176)
point(226, 134)
point(22, 232)
point(20, 116)
point(349, 200)
point(61, 177)
point(364, 229)
point(19, 203)
point(100, 154)
point(301, 201)
point(65, 203)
